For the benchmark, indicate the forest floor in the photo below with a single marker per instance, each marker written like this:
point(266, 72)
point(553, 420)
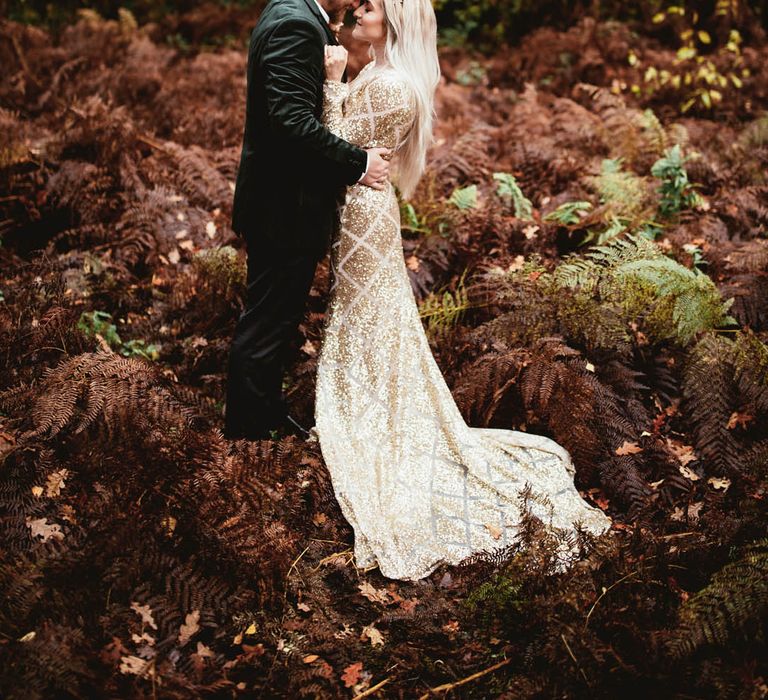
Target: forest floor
point(572, 284)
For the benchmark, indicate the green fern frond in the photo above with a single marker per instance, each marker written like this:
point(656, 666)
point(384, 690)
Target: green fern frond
point(685, 296)
point(464, 198)
point(569, 213)
point(623, 192)
point(632, 274)
point(510, 190)
point(443, 311)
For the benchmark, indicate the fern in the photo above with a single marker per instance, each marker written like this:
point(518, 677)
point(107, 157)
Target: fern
point(464, 198)
point(222, 270)
point(102, 385)
point(443, 311)
point(719, 376)
point(631, 272)
point(733, 606)
point(508, 189)
point(623, 193)
point(569, 213)
point(676, 192)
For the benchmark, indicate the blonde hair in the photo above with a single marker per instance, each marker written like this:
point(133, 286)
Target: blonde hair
point(411, 49)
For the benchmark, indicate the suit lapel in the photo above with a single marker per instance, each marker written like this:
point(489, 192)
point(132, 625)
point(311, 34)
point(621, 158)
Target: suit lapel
point(319, 17)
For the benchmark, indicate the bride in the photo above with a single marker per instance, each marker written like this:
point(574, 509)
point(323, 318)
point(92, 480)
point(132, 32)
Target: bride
point(419, 487)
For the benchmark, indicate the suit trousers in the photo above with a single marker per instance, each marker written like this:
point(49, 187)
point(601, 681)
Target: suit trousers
point(278, 284)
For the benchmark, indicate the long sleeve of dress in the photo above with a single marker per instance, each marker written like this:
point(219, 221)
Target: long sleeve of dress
point(334, 94)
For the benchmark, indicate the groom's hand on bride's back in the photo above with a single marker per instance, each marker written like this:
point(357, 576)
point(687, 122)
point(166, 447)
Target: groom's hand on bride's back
point(377, 174)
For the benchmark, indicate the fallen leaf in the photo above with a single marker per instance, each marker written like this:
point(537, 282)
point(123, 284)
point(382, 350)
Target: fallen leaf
point(174, 256)
point(37, 491)
point(495, 531)
point(143, 637)
point(677, 514)
point(517, 264)
point(684, 453)
point(656, 484)
point(530, 231)
point(373, 634)
point(145, 612)
point(182, 234)
point(687, 473)
point(310, 658)
point(740, 418)
point(304, 607)
point(210, 229)
point(187, 245)
point(412, 263)
point(55, 482)
point(41, 528)
point(351, 674)
point(190, 627)
point(694, 509)
point(135, 665)
point(309, 348)
point(451, 627)
point(719, 483)
point(590, 367)
point(628, 448)
point(343, 632)
point(376, 595)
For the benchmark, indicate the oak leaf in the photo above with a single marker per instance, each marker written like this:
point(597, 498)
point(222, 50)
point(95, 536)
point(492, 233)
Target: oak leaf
point(628, 448)
point(719, 483)
point(56, 482)
point(351, 674)
point(370, 632)
point(190, 627)
point(145, 612)
point(135, 665)
point(40, 527)
point(376, 595)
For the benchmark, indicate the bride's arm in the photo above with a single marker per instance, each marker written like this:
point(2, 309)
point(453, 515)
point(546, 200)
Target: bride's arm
point(334, 94)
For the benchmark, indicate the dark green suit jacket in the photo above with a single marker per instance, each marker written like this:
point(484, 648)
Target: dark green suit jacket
point(292, 168)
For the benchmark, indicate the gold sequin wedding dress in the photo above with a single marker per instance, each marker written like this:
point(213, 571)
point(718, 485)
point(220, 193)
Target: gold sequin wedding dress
point(418, 485)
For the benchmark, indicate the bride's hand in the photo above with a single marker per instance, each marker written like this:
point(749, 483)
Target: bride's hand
point(335, 62)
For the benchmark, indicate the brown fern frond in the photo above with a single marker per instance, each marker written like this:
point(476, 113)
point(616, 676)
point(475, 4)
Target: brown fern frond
point(483, 385)
point(465, 161)
point(106, 386)
point(710, 396)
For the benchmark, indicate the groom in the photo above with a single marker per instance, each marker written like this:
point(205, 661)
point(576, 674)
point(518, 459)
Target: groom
point(291, 172)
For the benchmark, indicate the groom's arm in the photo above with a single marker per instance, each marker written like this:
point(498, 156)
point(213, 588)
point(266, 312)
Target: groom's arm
point(293, 64)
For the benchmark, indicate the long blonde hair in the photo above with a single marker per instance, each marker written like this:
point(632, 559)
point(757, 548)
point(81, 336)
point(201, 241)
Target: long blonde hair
point(411, 49)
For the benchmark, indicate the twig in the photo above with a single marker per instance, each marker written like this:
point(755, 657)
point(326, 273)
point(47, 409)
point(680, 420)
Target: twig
point(371, 690)
point(581, 671)
point(295, 561)
point(594, 605)
point(149, 141)
point(22, 60)
point(468, 679)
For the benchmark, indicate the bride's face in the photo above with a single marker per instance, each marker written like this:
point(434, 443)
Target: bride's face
point(369, 22)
